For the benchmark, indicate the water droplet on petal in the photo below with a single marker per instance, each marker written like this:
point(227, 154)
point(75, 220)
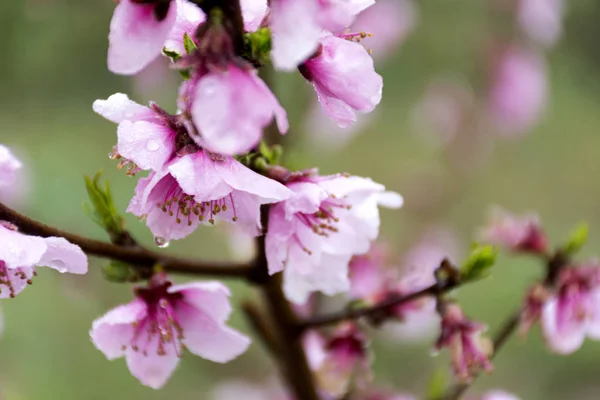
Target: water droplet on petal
point(161, 242)
point(152, 145)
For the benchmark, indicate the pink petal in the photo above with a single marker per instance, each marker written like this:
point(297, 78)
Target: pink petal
point(244, 179)
point(254, 12)
point(276, 241)
point(149, 145)
point(162, 225)
point(136, 38)
point(208, 338)
point(8, 166)
point(147, 365)
point(342, 185)
point(209, 297)
point(189, 16)
point(64, 256)
point(296, 32)
point(246, 208)
point(18, 278)
point(137, 205)
point(341, 113)
point(20, 250)
point(307, 197)
point(118, 108)
point(565, 342)
point(593, 329)
point(197, 175)
point(114, 330)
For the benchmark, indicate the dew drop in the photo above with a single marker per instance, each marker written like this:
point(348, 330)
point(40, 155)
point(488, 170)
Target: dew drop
point(152, 145)
point(161, 242)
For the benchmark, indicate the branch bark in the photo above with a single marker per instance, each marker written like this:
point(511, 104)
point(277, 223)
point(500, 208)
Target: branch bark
point(137, 256)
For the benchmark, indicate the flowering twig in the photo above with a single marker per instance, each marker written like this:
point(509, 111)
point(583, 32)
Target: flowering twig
point(344, 315)
point(138, 256)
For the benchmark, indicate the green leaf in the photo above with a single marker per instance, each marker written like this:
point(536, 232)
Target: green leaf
point(117, 271)
point(101, 208)
point(576, 240)
point(189, 44)
point(479, 263)
point(173, 55)
point(437, 385)
point(258, 45)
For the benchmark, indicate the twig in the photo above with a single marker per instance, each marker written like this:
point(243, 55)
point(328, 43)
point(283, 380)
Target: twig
point(138, 256)
point(344, 315)
point(258, 321)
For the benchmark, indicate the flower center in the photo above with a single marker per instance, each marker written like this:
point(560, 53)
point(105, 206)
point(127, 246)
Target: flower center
point(324, 221)
point(184, 208)
point(14, 280)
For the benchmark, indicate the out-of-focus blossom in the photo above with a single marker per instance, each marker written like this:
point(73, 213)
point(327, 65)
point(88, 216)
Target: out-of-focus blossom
point(230, 109)
point(517, 233)
point(313, 235)
point(532, 309)
point(345, 358)
point(200, 187)
point(519, 90)
point(388, 22)
point(20, 254)
point(9, 165)
point(444, 109)
point(541, 20)
point(241, 244)
point(344, 79)
point(146, 135)
point(573, 313)
point(152, 330)
point(462, 337)
point(254, 12)
point(297, 26)
point(189, 16)
point(498, 395)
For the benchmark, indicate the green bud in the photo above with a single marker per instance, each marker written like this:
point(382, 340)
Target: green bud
point(116, 271)
point(258, 45)
point(479, 263)
point(101, 208)
point(577, 238)
point(173, 55)
point(188, 43)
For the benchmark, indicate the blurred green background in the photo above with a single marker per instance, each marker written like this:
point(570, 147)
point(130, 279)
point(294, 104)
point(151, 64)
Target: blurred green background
point(53, 68)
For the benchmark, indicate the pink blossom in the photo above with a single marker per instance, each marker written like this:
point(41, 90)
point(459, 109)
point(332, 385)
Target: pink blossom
point(541, 20)
point(519, 90)
point(344, 358)
point(517, 233)
point(469, 350)
point(344, 78)
point(19, 254)
point(9, 165)
point(498, 395)
point(536, 298)
point(230, 109)
point(370, 275)
point(388, 22)
point(146, 135)
point(254, 12)
point(138, 31)
point(574, 311)
point(313, 235)
point(152, 330)
point(297, 26)
point(202, 187)
point(189, 16)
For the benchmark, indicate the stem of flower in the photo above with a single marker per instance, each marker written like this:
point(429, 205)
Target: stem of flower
point(357, 313)
point(138, 256)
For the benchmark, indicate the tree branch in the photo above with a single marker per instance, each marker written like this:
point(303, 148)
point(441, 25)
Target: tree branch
point(140, 257)
point(344, 315)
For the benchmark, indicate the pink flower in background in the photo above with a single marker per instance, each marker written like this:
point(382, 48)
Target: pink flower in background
point(313, 235)
point(462, 337)
point(536, 298)
point(344, 358)
point(230, 109)
point(138, 31)
point(9, 165)
point(152, 330)
point(344, 78)
point(541, 20)
point(19, 254)
point(574, 311)
point(370, 274)
point(519, 90)
point(389, 22)
point(498, 395)
point(517, 233)
point(201, 187)
point(146, 135)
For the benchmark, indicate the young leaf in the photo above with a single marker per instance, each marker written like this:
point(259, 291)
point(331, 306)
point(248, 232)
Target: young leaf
point(478, 263)
point(188, 43)
point(102, 210)
point(577, 238)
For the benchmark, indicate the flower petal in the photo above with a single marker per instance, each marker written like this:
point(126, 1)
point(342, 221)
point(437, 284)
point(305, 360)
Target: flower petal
point(189, 16)
point(114, 330)
point(566, 341)
point(8, 166)
point(146, 364)
point(18, 278)
point(149, 145)
point(208, 338)
point(197, 176)
point(209, 297)
point(19, 250)
point(118, 108)
point(136, 37)
point(254, 12)
point(64, 256)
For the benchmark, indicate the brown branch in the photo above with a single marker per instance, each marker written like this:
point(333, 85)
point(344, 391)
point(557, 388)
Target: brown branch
point(259, 322)
point(140, 257)
point(344, 315)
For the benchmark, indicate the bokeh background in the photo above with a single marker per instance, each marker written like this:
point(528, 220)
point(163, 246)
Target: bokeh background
point(439, 146)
